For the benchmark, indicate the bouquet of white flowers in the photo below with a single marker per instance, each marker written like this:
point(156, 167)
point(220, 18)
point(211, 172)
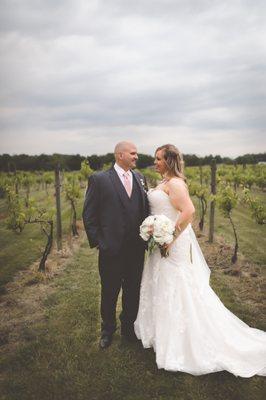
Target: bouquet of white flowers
point(158, 230)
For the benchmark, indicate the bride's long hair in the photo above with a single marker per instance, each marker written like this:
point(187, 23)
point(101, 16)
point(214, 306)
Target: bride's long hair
point(174, 160)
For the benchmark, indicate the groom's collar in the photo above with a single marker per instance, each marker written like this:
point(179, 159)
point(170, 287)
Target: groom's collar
point(120, 170)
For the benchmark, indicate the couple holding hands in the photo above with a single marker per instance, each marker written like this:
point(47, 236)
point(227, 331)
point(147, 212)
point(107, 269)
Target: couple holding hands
point(167, 303)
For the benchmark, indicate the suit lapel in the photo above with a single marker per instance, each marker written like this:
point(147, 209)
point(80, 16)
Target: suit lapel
point(119, 188)
point(140, 188)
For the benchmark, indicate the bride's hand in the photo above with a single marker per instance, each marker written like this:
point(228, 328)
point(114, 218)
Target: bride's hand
point(167, 247)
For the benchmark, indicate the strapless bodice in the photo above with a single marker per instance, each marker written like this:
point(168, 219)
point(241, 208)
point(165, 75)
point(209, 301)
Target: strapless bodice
point(160, 204)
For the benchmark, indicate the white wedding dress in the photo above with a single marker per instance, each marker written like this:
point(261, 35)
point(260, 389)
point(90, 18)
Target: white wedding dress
point(182, 318)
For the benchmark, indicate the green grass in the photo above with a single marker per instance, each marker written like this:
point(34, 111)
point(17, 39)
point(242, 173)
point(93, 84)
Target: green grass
point(19, 250)
point(60, 358)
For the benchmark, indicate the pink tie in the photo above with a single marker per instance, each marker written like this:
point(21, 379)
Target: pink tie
point(127, 183)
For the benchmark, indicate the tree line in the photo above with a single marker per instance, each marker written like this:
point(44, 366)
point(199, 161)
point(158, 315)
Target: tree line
point(45, 162)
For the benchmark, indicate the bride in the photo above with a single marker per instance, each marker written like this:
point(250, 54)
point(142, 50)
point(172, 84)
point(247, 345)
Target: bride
point(179, 314)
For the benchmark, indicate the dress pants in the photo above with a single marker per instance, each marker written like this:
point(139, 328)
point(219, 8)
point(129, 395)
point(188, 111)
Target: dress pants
point(123, 270)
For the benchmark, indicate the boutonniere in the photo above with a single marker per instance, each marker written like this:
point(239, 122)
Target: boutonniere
point(143, 184)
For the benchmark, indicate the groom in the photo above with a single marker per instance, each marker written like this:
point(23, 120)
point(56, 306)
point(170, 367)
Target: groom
point(114, 208)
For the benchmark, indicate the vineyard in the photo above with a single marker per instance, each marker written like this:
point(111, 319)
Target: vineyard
point(40, 217)
point(34, 215)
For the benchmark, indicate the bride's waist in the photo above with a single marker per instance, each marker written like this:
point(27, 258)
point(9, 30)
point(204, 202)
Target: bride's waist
point(185, 233)
point(171, 216)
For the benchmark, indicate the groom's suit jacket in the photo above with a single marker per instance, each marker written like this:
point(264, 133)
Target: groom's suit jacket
point(107, 210)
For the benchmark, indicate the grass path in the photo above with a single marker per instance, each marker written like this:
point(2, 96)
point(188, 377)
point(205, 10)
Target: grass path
point(57, 355)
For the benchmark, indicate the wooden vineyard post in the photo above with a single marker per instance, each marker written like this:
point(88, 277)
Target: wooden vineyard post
point(201, 177)
point(212, 206)
point(58, 208)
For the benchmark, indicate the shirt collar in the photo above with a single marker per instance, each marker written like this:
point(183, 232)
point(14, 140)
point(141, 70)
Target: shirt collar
point(120, 170)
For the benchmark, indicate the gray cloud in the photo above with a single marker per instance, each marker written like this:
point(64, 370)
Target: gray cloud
point(91, 73)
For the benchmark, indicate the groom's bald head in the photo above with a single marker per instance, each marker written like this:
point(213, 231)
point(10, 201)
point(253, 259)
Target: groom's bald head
point(126, 155)
point(123, 146)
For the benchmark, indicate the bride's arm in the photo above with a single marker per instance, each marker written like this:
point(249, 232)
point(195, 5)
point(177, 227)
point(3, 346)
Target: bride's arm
point(180, 199)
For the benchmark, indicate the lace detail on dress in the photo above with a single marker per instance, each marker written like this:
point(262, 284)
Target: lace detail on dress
point(182, 318)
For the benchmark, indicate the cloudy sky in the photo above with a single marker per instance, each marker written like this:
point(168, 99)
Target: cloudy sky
point(77, 76)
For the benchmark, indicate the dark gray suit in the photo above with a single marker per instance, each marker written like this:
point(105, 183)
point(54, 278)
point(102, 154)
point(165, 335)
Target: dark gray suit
point(112, 221)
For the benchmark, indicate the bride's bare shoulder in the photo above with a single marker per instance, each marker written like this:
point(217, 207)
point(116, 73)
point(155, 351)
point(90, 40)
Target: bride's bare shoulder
point(177, 182)
point(177, 185)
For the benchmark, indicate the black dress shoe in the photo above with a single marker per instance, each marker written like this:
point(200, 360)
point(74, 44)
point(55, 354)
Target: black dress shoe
point(105, 341)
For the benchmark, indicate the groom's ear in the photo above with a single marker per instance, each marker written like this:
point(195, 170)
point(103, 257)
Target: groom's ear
point(120, 156)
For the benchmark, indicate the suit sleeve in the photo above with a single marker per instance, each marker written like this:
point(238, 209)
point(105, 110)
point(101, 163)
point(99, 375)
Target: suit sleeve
point(90, 212)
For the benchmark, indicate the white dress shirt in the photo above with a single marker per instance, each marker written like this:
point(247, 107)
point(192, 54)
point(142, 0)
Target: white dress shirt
point(120, 172)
